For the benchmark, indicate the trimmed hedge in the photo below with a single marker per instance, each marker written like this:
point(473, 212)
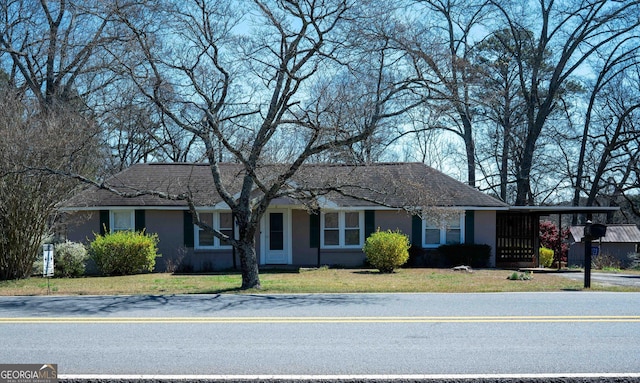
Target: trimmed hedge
point(466, 254)
point(546, 256)
point(387, 250)
point(124, 252)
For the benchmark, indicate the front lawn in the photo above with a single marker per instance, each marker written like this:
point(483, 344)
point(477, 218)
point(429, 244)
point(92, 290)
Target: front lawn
point(321, 280)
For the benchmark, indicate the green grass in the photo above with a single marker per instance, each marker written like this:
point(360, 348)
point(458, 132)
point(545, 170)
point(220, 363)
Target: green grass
point(322, 280)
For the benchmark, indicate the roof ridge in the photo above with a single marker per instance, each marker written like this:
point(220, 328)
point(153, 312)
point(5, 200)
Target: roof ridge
point(384, 163)
point(174, 163)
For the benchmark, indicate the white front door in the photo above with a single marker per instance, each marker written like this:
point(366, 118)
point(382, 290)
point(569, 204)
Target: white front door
point(276, 238)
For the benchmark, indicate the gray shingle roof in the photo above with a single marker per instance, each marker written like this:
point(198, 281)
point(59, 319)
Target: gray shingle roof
point(619, 233)
point(391, 184)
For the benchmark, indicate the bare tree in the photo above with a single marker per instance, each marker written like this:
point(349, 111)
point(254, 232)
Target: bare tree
point(503, 107)
point(613, 97)
point(30, 140)
point(136, 132)
point(62, 55)
point(241, 77)
point(573, 31)
point(56, 51)
point(56, 56)
point(615, 131)
point(351, 100)
point(440, 42)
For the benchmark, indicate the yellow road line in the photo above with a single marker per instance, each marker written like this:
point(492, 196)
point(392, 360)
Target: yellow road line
point(232, 320)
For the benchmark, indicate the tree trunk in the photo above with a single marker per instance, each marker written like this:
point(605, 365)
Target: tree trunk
point(523, 179)
point(249, 264)
point(524, 195)
point(470, 147)
point(471, 159)
point(504, 157)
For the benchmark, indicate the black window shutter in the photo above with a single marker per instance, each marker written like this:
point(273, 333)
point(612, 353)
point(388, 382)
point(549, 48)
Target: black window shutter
point(188, 229)
point(314, 231)
point(104, 222)
point(469, 227)
point(139, 218)
point(416, 231)
point(369, 223)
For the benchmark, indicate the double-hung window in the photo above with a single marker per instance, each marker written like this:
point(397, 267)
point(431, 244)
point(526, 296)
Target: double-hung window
point(121, 220)
point(221, 221)
point(342, 229)
point(443, 231)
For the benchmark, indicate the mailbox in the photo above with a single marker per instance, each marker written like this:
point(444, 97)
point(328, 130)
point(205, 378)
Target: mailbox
point(595, 230)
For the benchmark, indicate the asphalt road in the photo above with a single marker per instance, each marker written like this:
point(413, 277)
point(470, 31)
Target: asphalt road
point(612, 279)
point(327, 334)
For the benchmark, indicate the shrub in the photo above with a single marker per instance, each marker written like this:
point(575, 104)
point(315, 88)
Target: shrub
point(466, 254)
point(124, 252)
point(634, 261)
point(418, 256)
point(555, 239)
point(69, 259)
point(546, 256)
point(520, 276)
point(605, 262)
point(175, 264)
point(387, 250)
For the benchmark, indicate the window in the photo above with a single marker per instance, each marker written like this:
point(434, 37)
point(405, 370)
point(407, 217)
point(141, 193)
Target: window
point(122, 220)
point(449, 230)
point(452, 230)
point(331, 229)
point(225, 226)
point(352, 229)
point(431, 232)
point(342, 229)
point(221, 221)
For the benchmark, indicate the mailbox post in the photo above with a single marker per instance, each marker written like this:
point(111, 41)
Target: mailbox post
point(591, 231)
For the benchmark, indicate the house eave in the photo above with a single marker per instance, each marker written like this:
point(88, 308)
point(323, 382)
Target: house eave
point(74, 209)
point(224, 206)
point(563, 209)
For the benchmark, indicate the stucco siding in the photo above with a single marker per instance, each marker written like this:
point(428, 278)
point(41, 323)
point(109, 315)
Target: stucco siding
point(168, 226)
point(393, 220)
point(346, 258)
point(303, 254)
point(81, 226)
point(210, 260)
point(485, 231)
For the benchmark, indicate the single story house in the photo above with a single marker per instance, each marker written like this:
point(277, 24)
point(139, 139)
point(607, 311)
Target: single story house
point(306, 226)
point(619, 241)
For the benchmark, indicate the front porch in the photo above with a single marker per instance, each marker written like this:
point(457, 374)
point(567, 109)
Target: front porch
point(517, 231)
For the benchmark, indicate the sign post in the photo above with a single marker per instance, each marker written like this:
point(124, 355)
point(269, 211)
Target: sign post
point(47, 259)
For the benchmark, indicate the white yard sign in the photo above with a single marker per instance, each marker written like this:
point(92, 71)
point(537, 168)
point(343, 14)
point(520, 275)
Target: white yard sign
point(47, 270)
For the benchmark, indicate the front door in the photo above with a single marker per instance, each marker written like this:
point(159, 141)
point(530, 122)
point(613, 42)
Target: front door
point(276, 237)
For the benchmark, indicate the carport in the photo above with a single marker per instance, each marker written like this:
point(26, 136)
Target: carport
point(517, 230)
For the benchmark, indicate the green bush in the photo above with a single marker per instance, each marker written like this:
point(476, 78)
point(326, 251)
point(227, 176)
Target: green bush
point(387, 250)
point(546, 256)
point(69, 259)
point(520, 276)
point(466, 254)
point(124, 252)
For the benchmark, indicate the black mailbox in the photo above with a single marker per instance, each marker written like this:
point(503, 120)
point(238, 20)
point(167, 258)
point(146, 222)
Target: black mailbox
point(595, 230)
